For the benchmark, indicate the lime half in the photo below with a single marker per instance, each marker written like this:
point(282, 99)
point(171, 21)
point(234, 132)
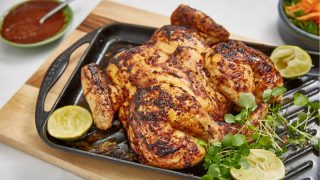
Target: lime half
point(264, 165)
point(69, 122)
point(291, 61)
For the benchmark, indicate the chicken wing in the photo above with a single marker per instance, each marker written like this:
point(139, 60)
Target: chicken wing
point(201, 23)
point(103, 98)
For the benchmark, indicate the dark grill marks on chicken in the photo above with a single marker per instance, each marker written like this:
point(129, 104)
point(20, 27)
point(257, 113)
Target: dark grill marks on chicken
point(265, 75)
point(152, 132)
point(175, 88)
point(201, 23)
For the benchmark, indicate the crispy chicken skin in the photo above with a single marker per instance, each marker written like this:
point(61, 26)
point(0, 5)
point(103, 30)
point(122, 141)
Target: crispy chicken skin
point(201, 23)
point(169, 37)
point(175, 89)
point(236, 68)
point(173, 60)
point(155, 123)
point(103, 98)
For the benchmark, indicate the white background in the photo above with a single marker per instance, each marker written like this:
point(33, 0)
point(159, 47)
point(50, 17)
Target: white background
point(257, 20)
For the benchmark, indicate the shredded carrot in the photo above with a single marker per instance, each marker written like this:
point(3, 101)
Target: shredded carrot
point(309, 16)
point(310, 8)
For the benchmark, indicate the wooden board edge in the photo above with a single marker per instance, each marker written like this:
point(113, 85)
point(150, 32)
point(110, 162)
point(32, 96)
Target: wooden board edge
point(50, 159)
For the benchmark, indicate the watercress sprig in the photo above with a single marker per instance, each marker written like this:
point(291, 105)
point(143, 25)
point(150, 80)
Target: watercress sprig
point(221, 156)
point(248, 102)
point(232, 149)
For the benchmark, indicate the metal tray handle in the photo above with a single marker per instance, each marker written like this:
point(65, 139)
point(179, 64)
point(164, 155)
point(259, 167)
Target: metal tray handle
point(54, 72)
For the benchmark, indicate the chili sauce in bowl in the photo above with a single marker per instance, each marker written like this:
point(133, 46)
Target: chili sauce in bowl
point(20, 25)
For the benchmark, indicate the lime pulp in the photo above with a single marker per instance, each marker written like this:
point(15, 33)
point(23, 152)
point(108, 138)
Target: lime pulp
point(291, 61)
point(69, 122)
point(264, 165)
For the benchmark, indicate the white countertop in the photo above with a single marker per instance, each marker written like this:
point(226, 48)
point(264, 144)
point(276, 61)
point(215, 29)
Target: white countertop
point(243, 17)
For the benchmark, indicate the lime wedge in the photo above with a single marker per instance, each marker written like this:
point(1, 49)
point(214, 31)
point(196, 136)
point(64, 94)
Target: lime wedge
point(291, 61)
point(264, 165)
point(69, 122)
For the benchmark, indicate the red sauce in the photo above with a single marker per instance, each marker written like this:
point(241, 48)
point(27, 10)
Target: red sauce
point(21, 25)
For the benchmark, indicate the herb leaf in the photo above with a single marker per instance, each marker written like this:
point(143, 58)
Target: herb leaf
point(315, 105)
point(238, 139)
point(266, 95)
point(300, 99)
point(229, 118)
point(247, 100)
point(216, 144)
point(278, 91)
point(302, 116)
point(214, 170)
point(227, 140)
point(244, 149)
point(255, 136)
point(206, 177)
point(212, 150)
point(264, 141)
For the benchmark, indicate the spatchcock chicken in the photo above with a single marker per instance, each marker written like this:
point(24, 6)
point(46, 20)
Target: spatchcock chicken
point(177, 87)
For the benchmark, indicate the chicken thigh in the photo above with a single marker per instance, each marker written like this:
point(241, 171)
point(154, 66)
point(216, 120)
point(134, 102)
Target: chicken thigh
point(236, 68)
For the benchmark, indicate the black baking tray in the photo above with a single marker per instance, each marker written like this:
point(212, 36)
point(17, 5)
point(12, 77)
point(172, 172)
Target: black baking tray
point(112, 145)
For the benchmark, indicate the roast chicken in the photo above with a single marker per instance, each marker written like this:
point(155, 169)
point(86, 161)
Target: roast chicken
point(176, 88)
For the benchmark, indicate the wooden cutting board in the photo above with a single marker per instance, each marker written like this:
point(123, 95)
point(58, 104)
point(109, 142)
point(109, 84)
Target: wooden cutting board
point(17, 117)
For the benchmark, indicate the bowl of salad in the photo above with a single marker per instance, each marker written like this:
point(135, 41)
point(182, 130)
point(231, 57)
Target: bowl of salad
point(299, 22)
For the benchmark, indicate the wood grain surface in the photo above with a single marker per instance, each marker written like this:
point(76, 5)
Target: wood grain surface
point(17, 127)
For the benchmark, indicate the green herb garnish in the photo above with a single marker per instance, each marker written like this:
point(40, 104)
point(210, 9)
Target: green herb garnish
point(222, 156)
point(232, 149)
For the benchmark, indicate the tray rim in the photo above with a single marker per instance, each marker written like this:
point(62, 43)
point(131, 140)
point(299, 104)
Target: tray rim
point(43, 131)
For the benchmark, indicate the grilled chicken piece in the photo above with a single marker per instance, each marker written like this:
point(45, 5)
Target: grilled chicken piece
point(172, 61)
point(201, 23)
point(103, 98)
point(163, 122)
point(172, 56)
point(156, 115)
point(169, 37)
point(174, 89)
point(236, 68)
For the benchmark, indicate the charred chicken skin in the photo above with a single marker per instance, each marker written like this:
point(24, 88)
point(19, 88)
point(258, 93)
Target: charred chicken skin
point(202, 24)
point(175, 89)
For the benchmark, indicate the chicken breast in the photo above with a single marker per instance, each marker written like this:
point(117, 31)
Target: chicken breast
point(177, 60)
